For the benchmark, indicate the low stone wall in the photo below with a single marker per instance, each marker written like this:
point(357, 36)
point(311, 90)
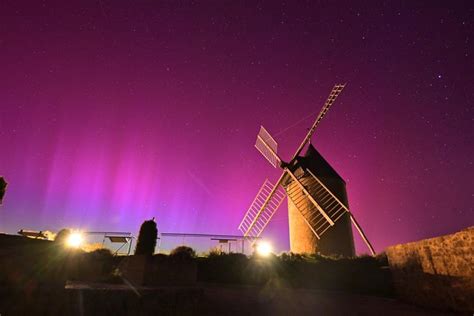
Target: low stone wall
point(436, 272)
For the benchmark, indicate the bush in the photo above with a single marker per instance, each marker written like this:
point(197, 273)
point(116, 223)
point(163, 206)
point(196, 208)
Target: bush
point(291, 257)
point(221, 267)
point(101, 254)
point(214, 252)
point(61, 236)
point(183, 252)
point(97, 264)
point(147, 238)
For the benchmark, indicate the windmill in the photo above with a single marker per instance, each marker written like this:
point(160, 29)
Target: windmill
point(318, 212)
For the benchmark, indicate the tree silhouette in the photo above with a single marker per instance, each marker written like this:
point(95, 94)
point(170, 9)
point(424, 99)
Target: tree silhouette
point(147, 238)
point(3, 188)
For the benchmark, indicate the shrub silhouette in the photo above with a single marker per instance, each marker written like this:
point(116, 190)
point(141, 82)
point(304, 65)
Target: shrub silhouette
point(101, 254)
point(183, 252)
point(62, 236)
point(147, 238)
point(102, 258)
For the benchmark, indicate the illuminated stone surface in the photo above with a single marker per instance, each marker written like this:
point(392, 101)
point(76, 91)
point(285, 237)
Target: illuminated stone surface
point(436, 272)
point(337, 240)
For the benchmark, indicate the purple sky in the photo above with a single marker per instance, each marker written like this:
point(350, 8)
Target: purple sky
point(112, 112)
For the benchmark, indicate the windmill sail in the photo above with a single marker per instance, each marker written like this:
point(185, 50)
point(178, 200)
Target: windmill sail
point(262, 209)
point(330, 100)
point(268, 147)
point(325, 208)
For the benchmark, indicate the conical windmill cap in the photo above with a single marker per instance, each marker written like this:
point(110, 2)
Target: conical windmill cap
point(315, 162)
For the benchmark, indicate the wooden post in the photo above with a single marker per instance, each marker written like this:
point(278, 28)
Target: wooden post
point(361, 233)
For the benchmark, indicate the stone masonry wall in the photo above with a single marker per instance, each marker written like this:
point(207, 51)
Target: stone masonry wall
point(436, 272)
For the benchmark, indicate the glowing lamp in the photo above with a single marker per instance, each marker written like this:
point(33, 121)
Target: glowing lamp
point(263, 249)
point(74, 240)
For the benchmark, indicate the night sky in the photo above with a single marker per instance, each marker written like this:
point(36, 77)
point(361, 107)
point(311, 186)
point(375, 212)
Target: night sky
point(112, 112)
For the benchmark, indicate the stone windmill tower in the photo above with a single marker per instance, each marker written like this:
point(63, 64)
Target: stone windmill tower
point(318, 211)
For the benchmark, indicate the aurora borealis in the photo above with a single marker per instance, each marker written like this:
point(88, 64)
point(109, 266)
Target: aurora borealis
point(112, 112)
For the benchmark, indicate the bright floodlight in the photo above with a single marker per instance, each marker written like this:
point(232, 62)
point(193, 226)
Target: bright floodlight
point(74, 240)
point(264, 249)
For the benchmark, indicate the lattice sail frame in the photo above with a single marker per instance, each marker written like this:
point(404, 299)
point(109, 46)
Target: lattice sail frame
point(336, 90)
point(268, 147)
point(329, 208)
point(323, 211)
point(262, 209)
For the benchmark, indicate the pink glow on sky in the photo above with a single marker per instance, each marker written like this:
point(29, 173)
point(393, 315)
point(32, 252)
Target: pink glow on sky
point(110, 115)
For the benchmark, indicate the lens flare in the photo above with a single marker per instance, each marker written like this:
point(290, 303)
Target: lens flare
point(264, 249)
point(74, 240)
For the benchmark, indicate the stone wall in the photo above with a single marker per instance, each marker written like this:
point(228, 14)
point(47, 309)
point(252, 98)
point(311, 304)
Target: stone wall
point(436, 272)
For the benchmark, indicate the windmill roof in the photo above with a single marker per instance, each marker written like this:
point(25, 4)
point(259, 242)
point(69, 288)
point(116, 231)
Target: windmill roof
point(315, 162)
